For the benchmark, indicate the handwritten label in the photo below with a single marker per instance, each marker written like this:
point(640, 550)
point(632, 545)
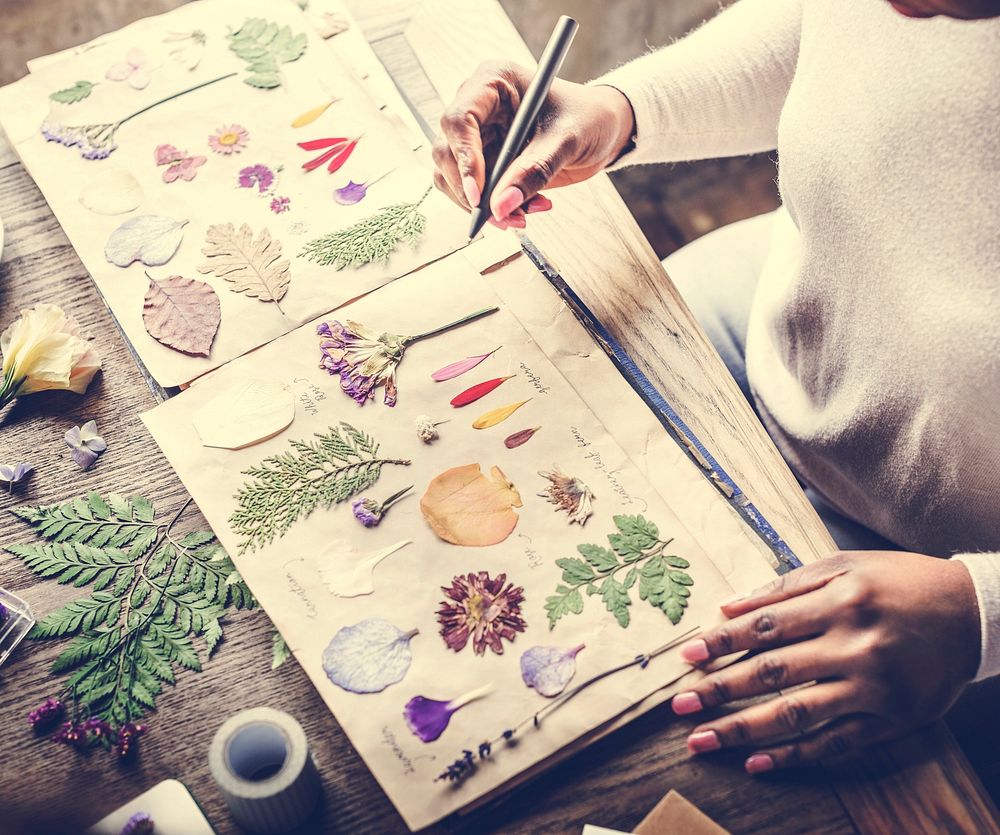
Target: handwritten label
point(295, 587)
point(534, 558)
point(534, 379)
point(389, 738)
point(310, 395)
point(578, 437)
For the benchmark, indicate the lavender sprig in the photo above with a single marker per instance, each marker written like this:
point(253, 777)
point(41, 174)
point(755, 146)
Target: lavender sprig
point(466, 765)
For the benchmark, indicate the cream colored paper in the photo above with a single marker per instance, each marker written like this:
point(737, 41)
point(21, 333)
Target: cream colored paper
point(212, 196)
point(286, 575)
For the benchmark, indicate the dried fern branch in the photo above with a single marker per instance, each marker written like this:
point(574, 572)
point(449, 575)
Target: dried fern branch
point(372, 239)
point(291, 485)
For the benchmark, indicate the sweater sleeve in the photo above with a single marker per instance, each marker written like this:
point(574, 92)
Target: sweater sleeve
point(985, 572)
point(717, 92)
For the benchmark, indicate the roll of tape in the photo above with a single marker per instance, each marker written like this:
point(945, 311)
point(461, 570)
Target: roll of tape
point(261, 762)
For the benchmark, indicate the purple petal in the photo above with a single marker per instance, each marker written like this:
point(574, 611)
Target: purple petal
point(427, 718)
point(351, 193)
point(549, 669)
point(84, 457)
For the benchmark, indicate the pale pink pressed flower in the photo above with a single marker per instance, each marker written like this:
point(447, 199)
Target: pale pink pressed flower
point(133, 70)
point(182, 166)
point(229, 139)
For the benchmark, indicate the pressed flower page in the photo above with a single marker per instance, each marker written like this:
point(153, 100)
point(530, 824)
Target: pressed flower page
point(227, 152)
point(406, 573)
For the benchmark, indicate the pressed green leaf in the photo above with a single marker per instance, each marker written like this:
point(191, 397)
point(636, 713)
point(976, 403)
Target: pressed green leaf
point(575, 571)
point(601, 558)
point(279, 650)
point(71, 95)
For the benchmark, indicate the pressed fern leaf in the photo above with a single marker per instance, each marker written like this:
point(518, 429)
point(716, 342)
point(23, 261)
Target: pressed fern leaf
point(152, 593)
point(373, 239)
point(291, 485)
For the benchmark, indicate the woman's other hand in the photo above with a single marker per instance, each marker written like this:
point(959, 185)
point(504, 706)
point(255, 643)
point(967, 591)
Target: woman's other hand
point(888, 639)
point(581, 129)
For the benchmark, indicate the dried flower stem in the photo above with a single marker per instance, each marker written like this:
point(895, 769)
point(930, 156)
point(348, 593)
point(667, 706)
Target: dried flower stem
point(465, 765)
point(486, 311)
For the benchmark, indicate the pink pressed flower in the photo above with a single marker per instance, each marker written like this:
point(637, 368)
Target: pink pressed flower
point(229, 139)
point(167, 154)
point(483, 609)
point(133, 70)
point(182, 167)
point(280, 204)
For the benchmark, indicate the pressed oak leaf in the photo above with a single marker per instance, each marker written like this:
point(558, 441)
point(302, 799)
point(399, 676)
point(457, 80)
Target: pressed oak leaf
point(253, 265)
point(182, 313)
point(464, 507)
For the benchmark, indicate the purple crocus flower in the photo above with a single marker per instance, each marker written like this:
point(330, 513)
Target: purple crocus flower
point(428, 718)
point(46, 715)
point(256, 175)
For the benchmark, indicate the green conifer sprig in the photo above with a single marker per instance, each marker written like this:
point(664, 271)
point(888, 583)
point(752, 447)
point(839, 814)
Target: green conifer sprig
point(373, 239)
point(152, 593)
point(636, 546)
point(291, 485)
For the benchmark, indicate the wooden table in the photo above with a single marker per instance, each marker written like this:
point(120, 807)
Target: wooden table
point(922, 783)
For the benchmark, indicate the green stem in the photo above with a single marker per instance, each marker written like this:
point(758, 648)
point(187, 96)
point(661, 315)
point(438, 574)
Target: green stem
point(395, 497)
point(655, 551)
point(486, 311)
point(174, 96)
point(9, 389)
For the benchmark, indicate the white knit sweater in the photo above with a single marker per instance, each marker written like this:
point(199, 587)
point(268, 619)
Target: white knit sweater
point(874, 337)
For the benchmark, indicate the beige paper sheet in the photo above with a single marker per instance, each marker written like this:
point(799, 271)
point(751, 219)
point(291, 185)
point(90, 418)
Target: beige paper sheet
point(212, 197)
point(286, 575)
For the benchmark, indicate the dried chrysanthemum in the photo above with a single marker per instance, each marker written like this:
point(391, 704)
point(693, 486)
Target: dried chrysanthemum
point(483, 609)
point(366, 360)
point(569, 494)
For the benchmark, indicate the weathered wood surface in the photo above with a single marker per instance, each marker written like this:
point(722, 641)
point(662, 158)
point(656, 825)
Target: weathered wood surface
point(612, 783)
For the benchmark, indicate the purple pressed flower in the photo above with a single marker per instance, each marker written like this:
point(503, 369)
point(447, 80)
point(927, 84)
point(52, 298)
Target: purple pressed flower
point(141, 823)
point(428, 718)
point(370, 512)
point(94, 141)
point(354, 192)
point(128, 735)
point(256, 175)
point(15, 474)
point(549, 669)
point(280, 205)
point(85, 443)
point(97, 728)
point(46, 715)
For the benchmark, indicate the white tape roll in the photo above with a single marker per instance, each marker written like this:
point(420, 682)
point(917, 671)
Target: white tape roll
point(261, 762)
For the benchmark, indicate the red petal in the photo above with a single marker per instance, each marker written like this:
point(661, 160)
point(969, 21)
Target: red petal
point(341, 158)
point(313, 164)
point(471, 395)
point(316, 144)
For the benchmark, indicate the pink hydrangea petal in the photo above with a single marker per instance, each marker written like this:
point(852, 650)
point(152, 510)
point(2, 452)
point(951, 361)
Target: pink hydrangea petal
point(140, 78)
point(119, 72)
point(136, 57)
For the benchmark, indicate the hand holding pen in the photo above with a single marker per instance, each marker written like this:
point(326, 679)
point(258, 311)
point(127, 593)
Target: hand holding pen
point(578, 131)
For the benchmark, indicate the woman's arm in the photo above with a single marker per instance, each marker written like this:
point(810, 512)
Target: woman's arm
point(985, 572)
point(717, 92)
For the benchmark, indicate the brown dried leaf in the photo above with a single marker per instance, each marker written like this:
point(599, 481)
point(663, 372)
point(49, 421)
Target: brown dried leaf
point(254, 266)
point(464, 507)
point(182, 313)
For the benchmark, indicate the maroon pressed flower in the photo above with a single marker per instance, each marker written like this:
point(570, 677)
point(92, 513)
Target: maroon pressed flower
point(46, 715)
point(482, 608)
point(71, 734)
point(128, 735)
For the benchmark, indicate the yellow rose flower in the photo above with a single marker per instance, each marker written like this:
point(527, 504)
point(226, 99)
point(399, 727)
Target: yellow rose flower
point(44, 350)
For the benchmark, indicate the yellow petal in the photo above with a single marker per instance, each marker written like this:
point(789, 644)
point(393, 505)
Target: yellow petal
point(497, 415)
point(311, 116)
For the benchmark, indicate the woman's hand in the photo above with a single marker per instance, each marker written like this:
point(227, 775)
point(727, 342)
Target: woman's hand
point(890, 640)
point(580, 130)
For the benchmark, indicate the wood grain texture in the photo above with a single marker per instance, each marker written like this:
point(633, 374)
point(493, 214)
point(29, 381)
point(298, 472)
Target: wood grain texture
point(614, 782)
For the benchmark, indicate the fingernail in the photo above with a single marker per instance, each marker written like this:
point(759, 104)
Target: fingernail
point(472, 193)
point(538, 203)
point(510, 198)
point(759, 763)
point(685, 703)
point(736, 598)
point(703, 742)
point(695, 651)
point(517, 221)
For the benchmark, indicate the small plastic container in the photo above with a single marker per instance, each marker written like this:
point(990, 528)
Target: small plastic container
point(15, 625)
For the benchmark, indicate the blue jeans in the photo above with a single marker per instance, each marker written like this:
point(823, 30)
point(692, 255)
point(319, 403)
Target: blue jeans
point(717, 276)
